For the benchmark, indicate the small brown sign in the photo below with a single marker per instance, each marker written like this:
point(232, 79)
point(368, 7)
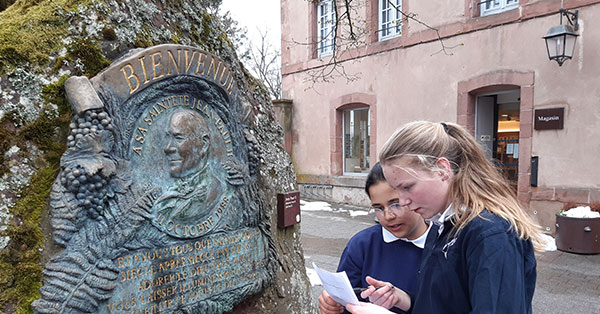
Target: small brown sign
point(549, 119)
point(288, 209)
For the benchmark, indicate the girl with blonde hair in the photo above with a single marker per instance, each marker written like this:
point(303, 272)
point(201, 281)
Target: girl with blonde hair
point(482, 259)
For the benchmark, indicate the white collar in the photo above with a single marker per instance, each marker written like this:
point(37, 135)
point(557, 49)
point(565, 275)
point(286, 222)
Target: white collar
point(440, 219)
point(447, 214)
point(419, 242)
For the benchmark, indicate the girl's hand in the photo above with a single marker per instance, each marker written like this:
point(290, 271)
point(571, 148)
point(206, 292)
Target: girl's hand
point(327, 305)
point(386, 295)
point(366, 308)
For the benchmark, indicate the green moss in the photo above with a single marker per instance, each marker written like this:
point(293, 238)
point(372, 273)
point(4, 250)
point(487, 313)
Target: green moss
point(223, 37)
point(206, 22)
point(20, 269)
point(19, 44)
point(55, 93)
point(44, 129)
point(143, 39)
point(175, 39)
point(20, 260)
point(41, 131)
point(90, 54)
point(5, 144)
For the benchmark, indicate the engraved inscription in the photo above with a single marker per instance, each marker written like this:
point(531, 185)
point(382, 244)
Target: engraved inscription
point(160, 279)
point(176, 62)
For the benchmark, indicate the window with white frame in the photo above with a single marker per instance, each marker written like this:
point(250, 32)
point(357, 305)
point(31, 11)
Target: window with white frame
point(489, 7)
point(325, 27)
point(390, 19)
point(357, 134)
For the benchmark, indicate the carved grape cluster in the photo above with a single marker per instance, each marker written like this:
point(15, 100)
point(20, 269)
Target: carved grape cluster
point(87, 189)
point(253, 151)
point(88, 122)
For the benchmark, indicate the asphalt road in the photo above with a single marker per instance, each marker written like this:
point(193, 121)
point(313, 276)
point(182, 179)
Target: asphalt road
point(567, 283)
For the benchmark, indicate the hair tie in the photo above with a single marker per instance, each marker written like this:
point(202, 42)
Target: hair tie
point(445, 127)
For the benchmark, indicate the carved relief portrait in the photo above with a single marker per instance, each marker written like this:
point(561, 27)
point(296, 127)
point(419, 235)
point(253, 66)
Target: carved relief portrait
point(187, 153)
point(156, 203)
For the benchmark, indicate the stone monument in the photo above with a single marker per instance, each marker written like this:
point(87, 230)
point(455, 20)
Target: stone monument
point(157, 201)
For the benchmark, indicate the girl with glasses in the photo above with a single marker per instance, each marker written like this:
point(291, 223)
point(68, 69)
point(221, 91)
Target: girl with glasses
point(390, 251)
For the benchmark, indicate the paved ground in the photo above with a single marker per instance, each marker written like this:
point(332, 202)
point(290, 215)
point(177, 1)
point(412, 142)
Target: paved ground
point(567, 283)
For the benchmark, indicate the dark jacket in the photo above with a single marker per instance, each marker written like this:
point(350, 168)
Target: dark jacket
point(486, 269)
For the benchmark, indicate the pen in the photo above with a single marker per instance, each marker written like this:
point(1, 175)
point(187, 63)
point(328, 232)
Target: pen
point(363, 289)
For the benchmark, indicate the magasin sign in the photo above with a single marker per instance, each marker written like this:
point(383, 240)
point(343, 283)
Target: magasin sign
point(549, 119)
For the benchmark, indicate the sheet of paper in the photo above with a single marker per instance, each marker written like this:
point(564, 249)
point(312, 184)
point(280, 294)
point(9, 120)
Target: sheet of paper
point(516, 151)
point(337, 285)
point(509, 148)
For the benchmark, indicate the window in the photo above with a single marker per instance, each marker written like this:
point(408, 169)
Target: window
point(325, 29)
point(356, 141)
point(489, 7)
point(390, 19)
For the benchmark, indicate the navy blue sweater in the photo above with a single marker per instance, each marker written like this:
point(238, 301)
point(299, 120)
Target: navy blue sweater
point(366, 254)
point(486, 269)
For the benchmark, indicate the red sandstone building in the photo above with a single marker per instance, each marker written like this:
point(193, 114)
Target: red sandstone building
point(495, 78)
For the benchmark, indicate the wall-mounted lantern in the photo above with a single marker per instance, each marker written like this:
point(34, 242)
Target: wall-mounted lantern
point(560, 40)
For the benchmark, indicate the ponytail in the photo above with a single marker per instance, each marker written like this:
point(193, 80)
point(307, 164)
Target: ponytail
point(477, 183)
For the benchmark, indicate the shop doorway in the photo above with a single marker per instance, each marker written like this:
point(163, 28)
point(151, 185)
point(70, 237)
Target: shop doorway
point(497, 129)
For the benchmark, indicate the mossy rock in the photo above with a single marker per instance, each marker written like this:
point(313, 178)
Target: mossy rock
point(43, 37)
point(30, 31)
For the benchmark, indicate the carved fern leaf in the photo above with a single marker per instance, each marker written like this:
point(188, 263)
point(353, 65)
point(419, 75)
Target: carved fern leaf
point(83, 276)
point(76, 281)
point(67, 215)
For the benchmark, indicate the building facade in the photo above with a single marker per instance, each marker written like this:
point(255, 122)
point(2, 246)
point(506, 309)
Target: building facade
point(481, 64)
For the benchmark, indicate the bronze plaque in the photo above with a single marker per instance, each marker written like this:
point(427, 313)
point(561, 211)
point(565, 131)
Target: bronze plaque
point(157, 202)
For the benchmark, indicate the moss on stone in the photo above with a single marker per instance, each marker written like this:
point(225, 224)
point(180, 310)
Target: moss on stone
point(43, 131)
point(55, 93)
point(175, 39)
point(205, 32)
point(21, 272)
point(89, 52)
point(19, 44)
point(5, 144)
point(20, 269)
point(143, 39)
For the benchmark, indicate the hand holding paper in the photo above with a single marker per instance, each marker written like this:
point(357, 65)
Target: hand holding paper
point(337, 285)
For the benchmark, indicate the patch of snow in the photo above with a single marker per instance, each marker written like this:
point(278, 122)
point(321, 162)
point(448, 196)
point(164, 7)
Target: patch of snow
point(315, 206)
point(581, 212)
point(313, 277)
point(354, 213)
point(550, 243)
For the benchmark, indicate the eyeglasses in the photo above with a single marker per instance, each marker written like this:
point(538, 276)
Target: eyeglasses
point(395, 209)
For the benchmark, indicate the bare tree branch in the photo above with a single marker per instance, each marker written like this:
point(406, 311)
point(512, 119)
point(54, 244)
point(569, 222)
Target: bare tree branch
point(350, 31)
point(264, 61)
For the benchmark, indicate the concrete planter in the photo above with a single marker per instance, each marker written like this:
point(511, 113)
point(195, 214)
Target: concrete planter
point(578, 235)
